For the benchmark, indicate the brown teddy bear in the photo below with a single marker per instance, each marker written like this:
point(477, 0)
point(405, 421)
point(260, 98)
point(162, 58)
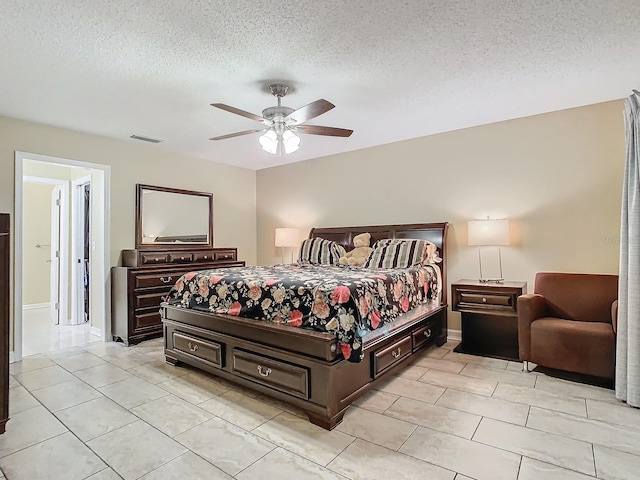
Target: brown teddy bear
point(359, 254)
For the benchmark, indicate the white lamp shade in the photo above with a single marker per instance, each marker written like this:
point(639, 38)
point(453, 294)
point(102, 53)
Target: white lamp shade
point(291, 141)
point(488, 232)
point(287, 237)
point(269, 142)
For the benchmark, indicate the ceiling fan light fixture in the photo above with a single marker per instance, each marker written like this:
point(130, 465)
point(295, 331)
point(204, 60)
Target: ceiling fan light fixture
point(291, 141)
point(269, 142)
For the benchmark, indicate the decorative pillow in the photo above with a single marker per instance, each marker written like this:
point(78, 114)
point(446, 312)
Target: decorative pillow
point(321, 251)
point(402, 253)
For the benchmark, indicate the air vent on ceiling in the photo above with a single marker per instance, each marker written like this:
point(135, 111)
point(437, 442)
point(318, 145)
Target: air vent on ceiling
point(146, 139)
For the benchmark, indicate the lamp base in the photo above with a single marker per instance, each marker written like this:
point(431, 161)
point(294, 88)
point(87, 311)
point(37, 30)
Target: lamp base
point(491, 280)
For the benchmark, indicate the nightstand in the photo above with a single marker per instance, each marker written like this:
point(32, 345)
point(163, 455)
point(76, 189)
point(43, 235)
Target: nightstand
point(489, 317)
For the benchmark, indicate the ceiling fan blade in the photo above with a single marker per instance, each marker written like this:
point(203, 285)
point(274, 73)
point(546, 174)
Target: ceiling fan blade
point(237, 111)
point(312, 110)
point(318, 130)
point(237, 134)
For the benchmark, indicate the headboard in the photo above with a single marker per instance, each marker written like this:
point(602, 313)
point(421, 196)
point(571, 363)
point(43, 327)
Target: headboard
point(435, 233)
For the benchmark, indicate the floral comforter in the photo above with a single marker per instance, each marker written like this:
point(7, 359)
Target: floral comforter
point(347, 302)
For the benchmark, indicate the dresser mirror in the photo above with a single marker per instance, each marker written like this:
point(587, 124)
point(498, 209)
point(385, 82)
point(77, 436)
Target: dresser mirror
point(169, 218)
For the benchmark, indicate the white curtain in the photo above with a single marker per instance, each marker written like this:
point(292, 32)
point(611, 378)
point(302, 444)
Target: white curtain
point(628, 338)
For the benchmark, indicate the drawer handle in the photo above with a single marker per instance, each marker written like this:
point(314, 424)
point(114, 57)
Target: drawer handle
point(192, 347)
point(156, 259)
point(264, 373)
point(484, 300)
point(165, 280)
point(205, 257)
point(396, 353)
point(181, 258)
point(427, 332)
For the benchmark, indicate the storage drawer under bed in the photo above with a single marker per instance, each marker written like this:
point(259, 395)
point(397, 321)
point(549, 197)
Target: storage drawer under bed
point(206, 350)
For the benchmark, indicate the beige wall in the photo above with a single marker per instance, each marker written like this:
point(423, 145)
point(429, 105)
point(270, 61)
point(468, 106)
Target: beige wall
point(35, 269)
point(234, 188)
point(557, 177)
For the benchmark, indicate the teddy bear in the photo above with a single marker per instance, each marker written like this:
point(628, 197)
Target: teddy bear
point(359, 254)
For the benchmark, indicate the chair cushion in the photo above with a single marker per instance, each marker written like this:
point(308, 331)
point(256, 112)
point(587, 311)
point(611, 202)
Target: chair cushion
point(574, 346)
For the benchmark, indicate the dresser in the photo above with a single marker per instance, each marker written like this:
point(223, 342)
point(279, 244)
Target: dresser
point(4, 320)
point(138, 288)
point(489, 317)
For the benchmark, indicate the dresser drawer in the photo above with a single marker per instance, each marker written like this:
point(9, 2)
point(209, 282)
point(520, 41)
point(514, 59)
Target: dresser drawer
point(285, 377)
point(207, 350)
point(153, 258)
point(387, 357)
point(180, 257)
point(150, 299)
point(147, 320)
point(423, 335)
point(225, 255)
point(489, 300)
point(156, 279)
point(205, 256)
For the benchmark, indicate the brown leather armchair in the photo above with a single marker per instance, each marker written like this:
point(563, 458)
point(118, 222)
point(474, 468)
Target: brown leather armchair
point(569, 323)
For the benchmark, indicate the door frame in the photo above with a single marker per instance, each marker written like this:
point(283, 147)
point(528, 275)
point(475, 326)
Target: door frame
point(77, 244)
point(64, 239)
point(101, 249)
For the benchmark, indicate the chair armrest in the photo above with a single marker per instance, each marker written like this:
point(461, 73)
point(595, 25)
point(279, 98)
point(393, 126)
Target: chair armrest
point(614, 316)
point(530, 307)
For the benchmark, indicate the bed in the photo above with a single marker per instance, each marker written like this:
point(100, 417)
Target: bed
point(320, 368)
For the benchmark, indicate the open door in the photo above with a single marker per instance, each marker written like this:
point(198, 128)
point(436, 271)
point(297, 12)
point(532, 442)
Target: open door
point(81, 242)
point(56, 219)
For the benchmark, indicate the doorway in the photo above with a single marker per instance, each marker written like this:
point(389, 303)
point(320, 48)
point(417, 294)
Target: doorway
point(88, 222)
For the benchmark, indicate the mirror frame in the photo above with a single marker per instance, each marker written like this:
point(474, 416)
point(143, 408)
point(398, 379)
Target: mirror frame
point(169, 246)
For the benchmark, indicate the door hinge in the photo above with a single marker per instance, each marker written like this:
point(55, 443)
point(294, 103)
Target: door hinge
point(58, 203)
point(57, 253)
point(57, 306)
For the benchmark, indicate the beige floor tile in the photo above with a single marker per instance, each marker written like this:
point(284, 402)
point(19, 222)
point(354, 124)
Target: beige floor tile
point(463, 477)
point(104, 348)
point(28, 428)
point(458, 382)
point(478, 461)
point(135, 449)
point(63, 456)
point(171, 415)
point(280, 463)
point(424, 392)
point(132, 392)
point(495, 408)
point(104, 414)
point(187, 466)
point(618, 414)
point(13, 382)
point(574, 389)
point(20, 400)
point(615, 465)
point(233, 449)
point(304, 438)
point(376, 401)
point(102, 375)
point(43, 377)
point(242, 411)
point(376, 428)
point(412, 372)
point(440, 365)
point(588, 430)
point(193, 388)
point(27, 364)
point(531, 469)
point(157, 372)
point(81, 361)
point(436, 352)
point(503, 376)
point(450, 345)
point(66, 394)
point(284, 406)
point(436, 417)
point(546, 447)
point(66, 352)
point(105, 474)
point(365, 461)
point(127, 359)
point(476, 360)
point(542, 399)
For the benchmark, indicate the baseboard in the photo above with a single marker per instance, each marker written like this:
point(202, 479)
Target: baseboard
point(95, 331)
point(455, 335)
point(35, 306)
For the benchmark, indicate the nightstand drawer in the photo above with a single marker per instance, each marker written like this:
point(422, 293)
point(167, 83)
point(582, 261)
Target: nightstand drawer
point(474, 299)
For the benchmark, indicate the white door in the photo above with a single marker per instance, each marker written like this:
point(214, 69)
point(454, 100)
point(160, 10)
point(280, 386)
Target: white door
point(80, 230)
point(56, 218)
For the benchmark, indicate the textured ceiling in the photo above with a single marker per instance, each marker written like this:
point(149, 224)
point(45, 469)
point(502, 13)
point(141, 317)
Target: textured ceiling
point(394, 69)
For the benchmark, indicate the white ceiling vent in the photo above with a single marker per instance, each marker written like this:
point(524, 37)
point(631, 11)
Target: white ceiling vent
point(146, 139)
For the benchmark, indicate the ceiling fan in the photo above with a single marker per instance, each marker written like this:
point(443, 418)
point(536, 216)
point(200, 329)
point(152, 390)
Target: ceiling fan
point(281, 124)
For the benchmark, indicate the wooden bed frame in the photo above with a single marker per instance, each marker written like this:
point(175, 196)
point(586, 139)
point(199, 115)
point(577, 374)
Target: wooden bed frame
point(304, 367)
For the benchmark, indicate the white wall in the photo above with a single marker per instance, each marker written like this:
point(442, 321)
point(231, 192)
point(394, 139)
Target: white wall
point(557, 177)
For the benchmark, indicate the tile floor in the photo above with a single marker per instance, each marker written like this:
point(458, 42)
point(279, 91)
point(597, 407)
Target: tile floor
point(104, 411)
